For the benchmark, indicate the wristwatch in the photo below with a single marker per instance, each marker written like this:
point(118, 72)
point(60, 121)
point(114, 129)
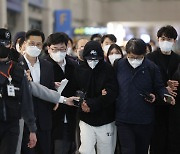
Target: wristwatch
point(64, 101)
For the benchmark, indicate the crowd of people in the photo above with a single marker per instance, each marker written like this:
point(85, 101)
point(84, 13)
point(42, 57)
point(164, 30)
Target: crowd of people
point(57, 97)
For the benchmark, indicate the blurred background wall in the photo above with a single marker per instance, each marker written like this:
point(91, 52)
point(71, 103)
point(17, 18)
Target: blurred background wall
point(82, 18)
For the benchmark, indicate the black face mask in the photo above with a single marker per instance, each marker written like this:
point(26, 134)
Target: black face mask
point(4, 52)
point(81, 54)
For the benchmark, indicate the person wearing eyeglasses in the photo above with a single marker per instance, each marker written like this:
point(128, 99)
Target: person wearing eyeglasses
point(64, 117)
point(139, 82)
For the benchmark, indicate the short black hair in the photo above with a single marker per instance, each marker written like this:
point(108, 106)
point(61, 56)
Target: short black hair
point(114, 46)
point(149, 47)
point(136, 46)
point(56, 38)
point(35, 32)
point(44, 48)
point(167, 31)
point(69, 39)
point(110, 36)
point(94, 36)
point(18, 36)
point(21, 41)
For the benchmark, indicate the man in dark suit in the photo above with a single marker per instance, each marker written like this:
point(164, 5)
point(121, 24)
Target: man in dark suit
point(41, 72)
point(64, 117)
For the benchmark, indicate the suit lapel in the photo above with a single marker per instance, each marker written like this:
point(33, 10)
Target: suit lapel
point(42, 72)
point(23, 62)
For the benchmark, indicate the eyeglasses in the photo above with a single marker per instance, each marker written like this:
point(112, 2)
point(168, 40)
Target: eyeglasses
point(33, 43)
point(137, 58)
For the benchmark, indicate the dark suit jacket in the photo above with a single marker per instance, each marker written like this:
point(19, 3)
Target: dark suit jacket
point(69, 90)
point(42, 109)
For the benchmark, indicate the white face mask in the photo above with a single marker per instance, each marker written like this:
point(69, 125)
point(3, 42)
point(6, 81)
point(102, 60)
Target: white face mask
point(71, 52)
point(106, 48)
point(92, 63)
point(58, 56)
point(135, 62)
point(166, 46)
point(33, 51)
point(113, 57)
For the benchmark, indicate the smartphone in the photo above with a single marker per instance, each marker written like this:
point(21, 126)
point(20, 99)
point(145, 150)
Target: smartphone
point(81, 96)
point(77, 103)
point(168, 98)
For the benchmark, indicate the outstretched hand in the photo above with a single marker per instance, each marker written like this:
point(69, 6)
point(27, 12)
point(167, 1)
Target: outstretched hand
point(69, 100)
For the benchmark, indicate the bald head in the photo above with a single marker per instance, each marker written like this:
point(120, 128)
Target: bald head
point(80, 46)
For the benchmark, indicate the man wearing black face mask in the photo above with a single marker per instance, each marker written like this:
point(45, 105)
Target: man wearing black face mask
point(4, 52)
point(79, 48)
point(5, 38)
point(15, 100)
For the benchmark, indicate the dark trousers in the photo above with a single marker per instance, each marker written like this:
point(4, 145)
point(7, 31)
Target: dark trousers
point(134, 138)
point(118, 147)
point(159, 143)
point(43, 145)
point(64, 145)
point(9, 133)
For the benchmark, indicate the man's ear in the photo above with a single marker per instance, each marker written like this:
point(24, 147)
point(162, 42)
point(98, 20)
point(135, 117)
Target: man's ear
point(157, 39)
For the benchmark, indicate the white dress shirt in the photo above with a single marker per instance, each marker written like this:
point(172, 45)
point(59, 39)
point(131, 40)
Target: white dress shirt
point(35, 73)
point(35, 70)
point(63, 65)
